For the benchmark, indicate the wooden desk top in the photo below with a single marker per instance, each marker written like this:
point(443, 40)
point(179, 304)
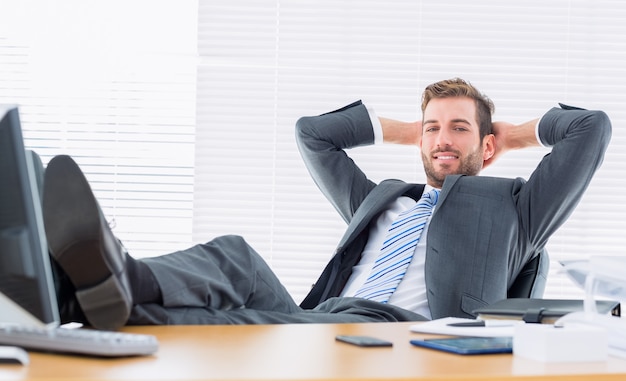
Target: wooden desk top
point(299, 352)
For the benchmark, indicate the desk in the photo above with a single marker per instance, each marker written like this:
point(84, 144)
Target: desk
point(299, 352)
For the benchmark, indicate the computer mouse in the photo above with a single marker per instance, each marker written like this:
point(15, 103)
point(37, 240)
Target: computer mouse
point(13, 355)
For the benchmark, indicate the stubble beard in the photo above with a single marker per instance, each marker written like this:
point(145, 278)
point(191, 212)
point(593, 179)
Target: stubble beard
point(469, 166)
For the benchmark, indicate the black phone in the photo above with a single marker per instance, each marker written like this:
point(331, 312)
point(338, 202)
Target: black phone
point(468, 345)
point(363, 341)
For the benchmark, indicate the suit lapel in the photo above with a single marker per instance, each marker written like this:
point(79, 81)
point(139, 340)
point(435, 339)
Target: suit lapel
point(378, 199)
point(375, 202)
point(445, 191)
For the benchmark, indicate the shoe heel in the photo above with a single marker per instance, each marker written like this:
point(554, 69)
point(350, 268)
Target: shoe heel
point(105, 306)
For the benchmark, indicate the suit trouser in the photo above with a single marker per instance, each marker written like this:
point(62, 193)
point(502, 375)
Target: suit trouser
point(225, 281)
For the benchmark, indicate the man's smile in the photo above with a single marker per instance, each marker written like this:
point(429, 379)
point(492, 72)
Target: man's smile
point(445, 156)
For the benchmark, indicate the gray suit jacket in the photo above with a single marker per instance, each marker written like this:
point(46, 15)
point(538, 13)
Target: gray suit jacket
point(483, 229)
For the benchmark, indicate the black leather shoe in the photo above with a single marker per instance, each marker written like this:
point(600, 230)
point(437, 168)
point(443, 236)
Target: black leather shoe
point(82, 244)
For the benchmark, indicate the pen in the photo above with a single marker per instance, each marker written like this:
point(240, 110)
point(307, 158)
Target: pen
point(483, 323)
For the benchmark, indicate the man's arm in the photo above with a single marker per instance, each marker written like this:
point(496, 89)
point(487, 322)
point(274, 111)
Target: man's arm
point(579, 139)
point(510, 137)
point(323, 141)
point(397, 132)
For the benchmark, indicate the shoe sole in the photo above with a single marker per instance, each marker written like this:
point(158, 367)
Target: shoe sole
point(79, 239)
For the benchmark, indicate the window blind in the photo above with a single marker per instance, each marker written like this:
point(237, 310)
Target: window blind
point(182, 113)
point(263, 64)
point(111, 83)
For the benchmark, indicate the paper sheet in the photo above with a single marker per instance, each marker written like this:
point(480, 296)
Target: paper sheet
point(441, 327)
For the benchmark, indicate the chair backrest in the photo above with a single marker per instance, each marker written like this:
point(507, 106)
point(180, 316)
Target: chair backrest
point(531, 281)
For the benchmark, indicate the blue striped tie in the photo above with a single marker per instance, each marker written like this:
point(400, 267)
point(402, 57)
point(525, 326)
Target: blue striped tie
point(397, 250)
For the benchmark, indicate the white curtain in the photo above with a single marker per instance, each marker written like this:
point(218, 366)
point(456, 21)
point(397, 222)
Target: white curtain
point(182, 112)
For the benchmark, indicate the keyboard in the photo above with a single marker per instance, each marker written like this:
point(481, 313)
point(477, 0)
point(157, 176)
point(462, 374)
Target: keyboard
point(78, 341)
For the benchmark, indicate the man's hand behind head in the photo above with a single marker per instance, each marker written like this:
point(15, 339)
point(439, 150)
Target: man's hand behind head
point(509, 136)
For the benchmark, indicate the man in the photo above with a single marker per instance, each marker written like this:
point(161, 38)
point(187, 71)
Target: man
point(464, 252)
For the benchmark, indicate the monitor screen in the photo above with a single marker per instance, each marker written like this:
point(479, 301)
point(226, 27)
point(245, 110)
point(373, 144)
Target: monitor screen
point(26, 289)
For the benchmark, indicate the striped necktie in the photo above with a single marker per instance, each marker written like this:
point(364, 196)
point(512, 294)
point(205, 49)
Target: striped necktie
point(397, 251)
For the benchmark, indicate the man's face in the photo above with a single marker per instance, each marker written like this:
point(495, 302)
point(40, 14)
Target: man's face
point(450, 140)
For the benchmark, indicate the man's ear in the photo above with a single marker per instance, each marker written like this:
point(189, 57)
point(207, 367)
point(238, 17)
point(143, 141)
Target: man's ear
point(489, 147)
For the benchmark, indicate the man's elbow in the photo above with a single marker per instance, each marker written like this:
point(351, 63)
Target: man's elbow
point(306, 135)
point(602, 125)
point(303, 127)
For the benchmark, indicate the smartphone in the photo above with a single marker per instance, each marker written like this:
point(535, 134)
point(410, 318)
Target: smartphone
point(363, 341)
point(468, 345)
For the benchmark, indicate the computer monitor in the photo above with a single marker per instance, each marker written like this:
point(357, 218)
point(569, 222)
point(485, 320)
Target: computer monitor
point(26, 287)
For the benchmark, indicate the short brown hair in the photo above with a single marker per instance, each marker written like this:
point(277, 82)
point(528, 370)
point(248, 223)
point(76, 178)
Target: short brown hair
point(457, 87)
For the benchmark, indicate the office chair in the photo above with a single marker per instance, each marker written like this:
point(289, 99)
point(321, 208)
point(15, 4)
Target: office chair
point(531, 281)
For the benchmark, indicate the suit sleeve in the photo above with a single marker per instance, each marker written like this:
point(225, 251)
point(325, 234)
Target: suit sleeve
point(322, 141)
point(579, 139)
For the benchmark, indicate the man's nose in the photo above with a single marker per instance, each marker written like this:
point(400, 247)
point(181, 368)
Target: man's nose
point(443, 138)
